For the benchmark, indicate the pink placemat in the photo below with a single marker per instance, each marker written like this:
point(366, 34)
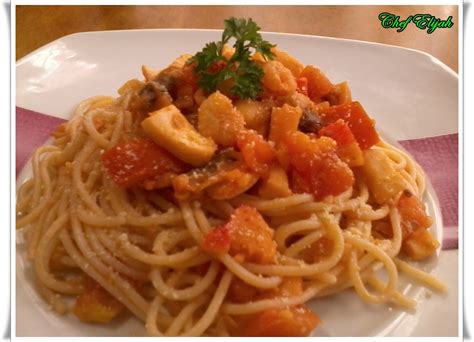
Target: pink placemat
point(437, 155)
point(32, 130)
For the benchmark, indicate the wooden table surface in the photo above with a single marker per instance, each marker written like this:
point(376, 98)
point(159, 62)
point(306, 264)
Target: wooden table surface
point(39, 25)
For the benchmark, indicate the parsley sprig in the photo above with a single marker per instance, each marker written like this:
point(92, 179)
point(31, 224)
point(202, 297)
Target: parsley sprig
point(213, 68)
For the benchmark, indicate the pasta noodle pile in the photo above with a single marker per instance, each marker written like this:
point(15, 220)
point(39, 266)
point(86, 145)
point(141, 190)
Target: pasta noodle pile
point(162, 253)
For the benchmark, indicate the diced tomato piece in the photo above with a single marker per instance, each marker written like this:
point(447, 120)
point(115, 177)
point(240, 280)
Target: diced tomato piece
point(140, 161)
point(318, 250)
point(190, 77)
point(256, 152)
point(295, 320)
point(304, 150)
point(417, 243)
point(317, 167)
point(361, 125)
point(339, 131)
point(292, 321)
point(347, 147)
point(241, 292)
point(302, 85)
point(217, 241)
point(318, 84)
point(332, 177)
point(289, 287)
point(298, 183)
point(96, 305)
point(184, 97)
point(250, 237)
point(383, 229)
point(412, 214)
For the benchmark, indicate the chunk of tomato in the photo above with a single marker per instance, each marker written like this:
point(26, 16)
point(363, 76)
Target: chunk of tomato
point(302, 85)
point(418, 243)
point(347, 147)
point(316, 167)
point(361, 125)
point(246, 235)
point(140, 161)
point(241, 292)
point(217, 241)
point(318, 250)
point(298, 183)
point(295, 320)
point(304, 150)
point(339, 131)
point(189, 77)
point(96, 305)
point(256, 152)
point(412, 214)
point(289, 287)
point(318, 84)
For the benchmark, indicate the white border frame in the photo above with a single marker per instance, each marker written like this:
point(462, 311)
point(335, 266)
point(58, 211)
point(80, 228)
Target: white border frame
point(12, 126)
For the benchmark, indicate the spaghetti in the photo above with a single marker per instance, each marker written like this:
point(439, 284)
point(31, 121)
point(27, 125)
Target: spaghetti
point(131, 248)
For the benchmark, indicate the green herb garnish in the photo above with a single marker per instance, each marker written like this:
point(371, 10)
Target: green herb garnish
point(213, 68)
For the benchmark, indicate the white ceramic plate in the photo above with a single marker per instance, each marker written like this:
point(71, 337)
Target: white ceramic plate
point(409, 93)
